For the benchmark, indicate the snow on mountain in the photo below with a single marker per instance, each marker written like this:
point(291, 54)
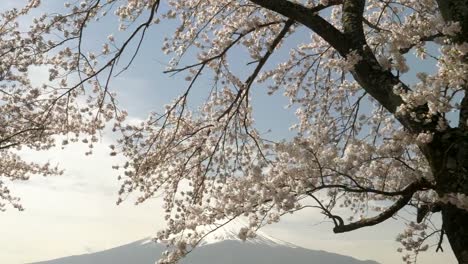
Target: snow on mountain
point(221, 247)
point(230, 232)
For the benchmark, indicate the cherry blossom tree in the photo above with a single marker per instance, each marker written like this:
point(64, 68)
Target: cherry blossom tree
point(374, 134)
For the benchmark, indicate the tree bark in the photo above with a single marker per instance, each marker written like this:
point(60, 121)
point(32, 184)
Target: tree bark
point(449, 162)
point(455, 225)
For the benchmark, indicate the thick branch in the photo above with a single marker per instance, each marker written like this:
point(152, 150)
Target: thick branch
point(377, 219)
point(402, 202)
point(353, 11)
point(375, 80)
point(309, 18)
point(368, 73)
point(378, 82)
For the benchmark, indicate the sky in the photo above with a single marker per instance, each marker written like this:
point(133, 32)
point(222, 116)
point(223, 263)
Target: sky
point(76, 213)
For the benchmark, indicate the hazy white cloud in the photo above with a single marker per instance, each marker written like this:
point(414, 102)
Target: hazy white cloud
point(75, 212)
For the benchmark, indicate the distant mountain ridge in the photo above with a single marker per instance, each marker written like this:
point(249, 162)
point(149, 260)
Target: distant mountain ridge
point(222, 247)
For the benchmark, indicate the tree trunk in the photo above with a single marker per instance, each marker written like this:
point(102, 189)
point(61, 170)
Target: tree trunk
point(448, 158)
point(449, 150)
point(455, 225)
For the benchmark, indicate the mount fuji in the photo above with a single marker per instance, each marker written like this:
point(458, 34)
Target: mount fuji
point(220, 247)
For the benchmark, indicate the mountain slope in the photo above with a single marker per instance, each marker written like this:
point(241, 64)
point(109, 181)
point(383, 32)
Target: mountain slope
point(219, 252)
point(134, 253)
point(236, 252)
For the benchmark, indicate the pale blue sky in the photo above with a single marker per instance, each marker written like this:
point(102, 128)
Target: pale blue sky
point(76, 213)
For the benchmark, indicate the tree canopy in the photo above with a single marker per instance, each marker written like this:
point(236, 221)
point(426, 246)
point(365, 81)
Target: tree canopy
point(374, 133)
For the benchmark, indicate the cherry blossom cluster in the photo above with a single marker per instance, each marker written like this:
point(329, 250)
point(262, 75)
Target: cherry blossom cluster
point(72, 104)
point(460, 200)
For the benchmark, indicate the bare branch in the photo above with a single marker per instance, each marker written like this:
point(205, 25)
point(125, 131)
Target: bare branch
point(389, 212)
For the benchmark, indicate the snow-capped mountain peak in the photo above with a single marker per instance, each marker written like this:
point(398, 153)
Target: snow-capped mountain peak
point(230, 232)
